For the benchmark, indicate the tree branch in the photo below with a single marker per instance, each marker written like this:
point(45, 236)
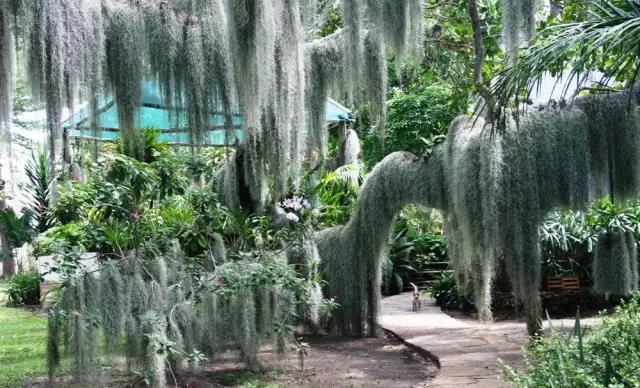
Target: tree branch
point(478, 46)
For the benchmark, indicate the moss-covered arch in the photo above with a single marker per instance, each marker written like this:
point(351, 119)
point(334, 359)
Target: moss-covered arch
point(494, 189)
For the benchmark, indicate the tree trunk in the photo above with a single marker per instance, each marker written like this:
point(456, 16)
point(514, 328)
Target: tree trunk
point(8, 264)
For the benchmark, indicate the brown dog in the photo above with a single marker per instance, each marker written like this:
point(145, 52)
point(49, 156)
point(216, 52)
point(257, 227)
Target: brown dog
point(417, 303)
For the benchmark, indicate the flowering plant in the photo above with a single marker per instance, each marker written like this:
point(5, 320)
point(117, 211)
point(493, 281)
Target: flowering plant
point(294, 207)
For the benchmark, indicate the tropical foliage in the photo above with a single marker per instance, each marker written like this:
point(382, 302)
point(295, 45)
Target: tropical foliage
point(593, 35)
point(414, 120)
point(447, 293)
point(602, 355)
point(182, 277)
point(200, 251)
point(18, 229)
point(23, 289)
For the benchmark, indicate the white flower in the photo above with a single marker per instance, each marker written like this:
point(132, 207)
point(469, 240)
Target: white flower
point(294, 203)
point(292, 217)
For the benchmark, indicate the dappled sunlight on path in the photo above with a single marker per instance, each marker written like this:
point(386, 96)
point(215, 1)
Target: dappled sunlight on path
point(467, 350)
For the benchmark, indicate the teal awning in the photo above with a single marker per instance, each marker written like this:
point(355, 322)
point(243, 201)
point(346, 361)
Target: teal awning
point(172, 125)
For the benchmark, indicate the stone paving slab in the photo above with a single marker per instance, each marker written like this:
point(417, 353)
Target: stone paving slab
point(467, 350)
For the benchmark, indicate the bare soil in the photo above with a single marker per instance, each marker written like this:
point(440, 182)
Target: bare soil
point(366, 362)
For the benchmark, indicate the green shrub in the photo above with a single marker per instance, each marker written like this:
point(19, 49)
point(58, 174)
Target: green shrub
point(70, 234)
point(607, 355)
point(447, 294)
point(24, 289)
point(18, 229)
point(337, 196)
point(398, 269)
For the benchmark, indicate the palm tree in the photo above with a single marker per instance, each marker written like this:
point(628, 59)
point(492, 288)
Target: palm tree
point(608, 40)
point(38, 185)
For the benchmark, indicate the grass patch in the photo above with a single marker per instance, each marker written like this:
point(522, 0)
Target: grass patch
point(23, 336)
point(22, 345)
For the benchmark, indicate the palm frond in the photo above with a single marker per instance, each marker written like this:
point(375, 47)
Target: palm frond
point(612, 30)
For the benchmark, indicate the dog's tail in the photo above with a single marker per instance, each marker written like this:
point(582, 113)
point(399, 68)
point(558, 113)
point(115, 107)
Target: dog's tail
point(415, 288)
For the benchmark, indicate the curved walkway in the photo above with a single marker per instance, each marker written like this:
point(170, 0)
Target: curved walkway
point(467, 350)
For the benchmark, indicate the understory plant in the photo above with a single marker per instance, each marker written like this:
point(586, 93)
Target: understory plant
point(181, 278)
point(416, 242)
point(447, 293)
point(336, 194)
point(18, 230)
point(23, 289)
point(597, 244)
point(603, 355)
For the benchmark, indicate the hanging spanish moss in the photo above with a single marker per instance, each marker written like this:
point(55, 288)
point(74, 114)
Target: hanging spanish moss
point(352, 254)
point(352, 148)
point(353, 59)
point(218, 250)
point(6, 65)
point(404, 41)
point(124, 43)
point(227, 183)
point(306, 259)
point(323, 59)
point(519, 21)
point(285, 309)
point(95, 71)
point(194, 81)
point(376, 72)
point(247, 332)
point(155, 337)
point(495, 190)
point(164, 36)
point(73, 319)
point(53, 343)
point(113, 303)
point(210, 315)
point(217, 57)
point(159, 315)
point(174, 334)
point(353, 45)
point(209, 56)
point(612, 264)
point(137, 305)
point(288, 133)
point(64, 51)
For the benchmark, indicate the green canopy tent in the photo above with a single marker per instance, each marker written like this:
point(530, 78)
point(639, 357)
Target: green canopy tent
point(173, 126)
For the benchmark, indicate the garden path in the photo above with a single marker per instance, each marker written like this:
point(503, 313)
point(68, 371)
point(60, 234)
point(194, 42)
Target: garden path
point(467, 351)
